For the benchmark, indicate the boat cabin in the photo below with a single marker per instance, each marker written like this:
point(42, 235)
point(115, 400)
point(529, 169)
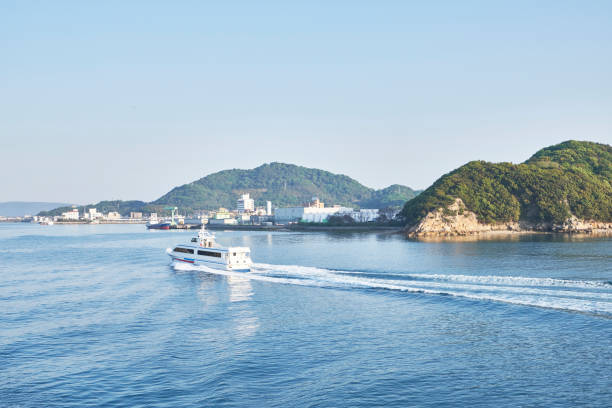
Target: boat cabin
point(203, 251)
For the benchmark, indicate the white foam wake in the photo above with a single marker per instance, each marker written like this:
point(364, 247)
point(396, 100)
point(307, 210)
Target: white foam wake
point(572, 295)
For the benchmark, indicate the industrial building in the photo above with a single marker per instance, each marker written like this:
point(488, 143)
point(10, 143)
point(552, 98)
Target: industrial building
point(306, 214)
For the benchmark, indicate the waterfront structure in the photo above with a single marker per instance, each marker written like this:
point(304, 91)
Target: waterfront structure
point(71, 215)
point(260, 211)
point(113, 215)
point(222, 221)
point(243, 218)
point(306, 214)
point(92, 214)
point(245, 203)
point(268, 207)
point(319, 215)
point(261, 219)
point(191, 221)
point(45, 221)
point(136, 215)
point(221, 214)
point(363, 215)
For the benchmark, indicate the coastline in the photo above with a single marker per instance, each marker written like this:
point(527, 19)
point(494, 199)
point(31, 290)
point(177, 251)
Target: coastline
point(485, 232)
point(506, 235)
point(457, 221)
point(313, 228)
point(280, 228)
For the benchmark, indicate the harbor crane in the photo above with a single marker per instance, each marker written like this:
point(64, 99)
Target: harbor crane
point(174, 209)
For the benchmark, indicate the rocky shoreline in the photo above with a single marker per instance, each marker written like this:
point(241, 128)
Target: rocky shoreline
point(457, 221)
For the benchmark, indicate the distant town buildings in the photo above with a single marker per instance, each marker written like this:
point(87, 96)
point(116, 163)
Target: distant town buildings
point(222, 214)
point(243, 218)
point(71, 215)
point(92, 214)
point(363, 215)
point(315, 203)
point(316, 212)
point(306, 214)
point(245, 203)
point(313, 211)
point(222, 221)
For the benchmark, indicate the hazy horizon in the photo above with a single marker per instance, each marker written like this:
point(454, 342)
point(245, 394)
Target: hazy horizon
point(128, 100)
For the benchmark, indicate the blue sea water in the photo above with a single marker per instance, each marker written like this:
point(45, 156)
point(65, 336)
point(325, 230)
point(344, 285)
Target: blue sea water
point(97, 316)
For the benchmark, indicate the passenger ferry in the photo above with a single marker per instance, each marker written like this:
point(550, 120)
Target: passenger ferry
point(204, 251)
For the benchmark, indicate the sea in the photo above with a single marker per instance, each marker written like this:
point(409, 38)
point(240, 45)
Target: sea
point(97, 316)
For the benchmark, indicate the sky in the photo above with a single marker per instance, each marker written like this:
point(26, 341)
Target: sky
point(127, 99)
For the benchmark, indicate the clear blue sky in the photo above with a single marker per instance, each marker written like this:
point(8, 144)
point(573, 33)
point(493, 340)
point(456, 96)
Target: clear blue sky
point(126, 99)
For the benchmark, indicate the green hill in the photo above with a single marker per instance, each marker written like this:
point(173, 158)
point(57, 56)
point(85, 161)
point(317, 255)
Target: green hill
point(284, 185)
point(395, 195)
point(571, 178)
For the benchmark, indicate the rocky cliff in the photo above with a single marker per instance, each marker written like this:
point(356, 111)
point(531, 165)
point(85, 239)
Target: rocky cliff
point(456, 220)
point(565, 187)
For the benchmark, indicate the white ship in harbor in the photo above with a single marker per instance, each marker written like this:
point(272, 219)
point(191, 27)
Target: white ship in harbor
point(203, 250)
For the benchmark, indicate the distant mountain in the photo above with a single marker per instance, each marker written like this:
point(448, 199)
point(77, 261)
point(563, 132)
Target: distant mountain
point(571, 179)
point(284, 185)
point(21, 208)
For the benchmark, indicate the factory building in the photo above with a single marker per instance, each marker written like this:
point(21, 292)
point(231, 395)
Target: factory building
point(306, 214)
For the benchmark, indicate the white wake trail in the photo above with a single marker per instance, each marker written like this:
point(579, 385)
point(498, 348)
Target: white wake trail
point(571, 295)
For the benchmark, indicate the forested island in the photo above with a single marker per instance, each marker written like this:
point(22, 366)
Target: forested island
point(565, 187)
point(284, 185)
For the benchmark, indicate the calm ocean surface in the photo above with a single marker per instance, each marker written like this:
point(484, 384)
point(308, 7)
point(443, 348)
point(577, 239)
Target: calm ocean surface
point(96, 316)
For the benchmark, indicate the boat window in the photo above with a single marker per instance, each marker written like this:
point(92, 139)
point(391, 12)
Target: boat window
point(194, 240)
point(184, 250)
point(210, 253)
point(234, 254)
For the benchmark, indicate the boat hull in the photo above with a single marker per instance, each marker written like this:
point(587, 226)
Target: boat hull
point(163, 226)
point(210, 264)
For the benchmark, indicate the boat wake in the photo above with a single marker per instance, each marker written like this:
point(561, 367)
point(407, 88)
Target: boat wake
point(586, 296)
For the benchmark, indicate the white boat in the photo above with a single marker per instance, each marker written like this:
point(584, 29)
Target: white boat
point(46, 222)
point(203, 250)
